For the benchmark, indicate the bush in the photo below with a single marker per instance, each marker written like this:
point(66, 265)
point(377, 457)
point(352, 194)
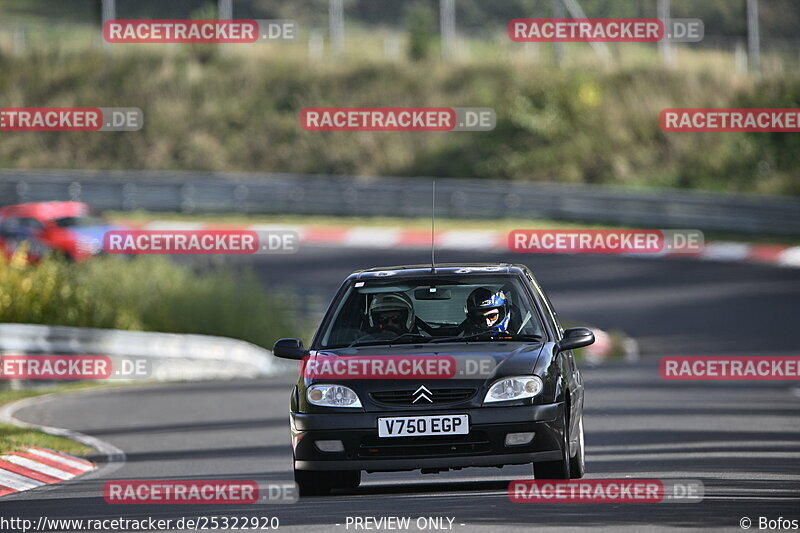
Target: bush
point(229, 113)
point(146, 293)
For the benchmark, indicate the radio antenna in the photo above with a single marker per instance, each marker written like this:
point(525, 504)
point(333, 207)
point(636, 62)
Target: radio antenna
point(433, 228)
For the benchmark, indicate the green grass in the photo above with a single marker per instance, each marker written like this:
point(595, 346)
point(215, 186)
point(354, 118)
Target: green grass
point(13, 438)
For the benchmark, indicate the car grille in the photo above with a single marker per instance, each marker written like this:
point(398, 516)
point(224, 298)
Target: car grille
point(436, 446)
point(406, 397)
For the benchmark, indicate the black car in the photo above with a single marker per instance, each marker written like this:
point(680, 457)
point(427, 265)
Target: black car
point(527, 409)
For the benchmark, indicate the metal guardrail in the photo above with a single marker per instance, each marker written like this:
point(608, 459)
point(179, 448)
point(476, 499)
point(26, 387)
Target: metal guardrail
point(251, 193)
point(170, 356)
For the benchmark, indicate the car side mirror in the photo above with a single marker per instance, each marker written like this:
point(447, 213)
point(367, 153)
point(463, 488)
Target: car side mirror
point(289, 349)
point(576, 338)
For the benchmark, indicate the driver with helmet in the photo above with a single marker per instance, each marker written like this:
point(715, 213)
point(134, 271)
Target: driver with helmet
point(391, 314)
point(487, 311)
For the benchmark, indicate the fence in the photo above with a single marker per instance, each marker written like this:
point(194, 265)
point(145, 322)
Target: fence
point(168, 356)
point(279, 194)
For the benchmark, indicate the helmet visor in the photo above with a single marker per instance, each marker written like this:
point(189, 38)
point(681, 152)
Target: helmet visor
point(390, 318)
point(486, 317)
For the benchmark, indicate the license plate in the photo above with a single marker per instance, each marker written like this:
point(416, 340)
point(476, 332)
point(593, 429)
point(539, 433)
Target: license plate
point(409, 426)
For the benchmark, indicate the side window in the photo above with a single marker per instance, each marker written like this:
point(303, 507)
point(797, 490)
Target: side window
point(553, 317)
point(349, 319)
point(550, 310)
point(32, 223)
point(25, 223)
point(11, 227)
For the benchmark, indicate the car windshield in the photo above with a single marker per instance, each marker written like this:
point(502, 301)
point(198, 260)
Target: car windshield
point(79, 222)
point(432, 310)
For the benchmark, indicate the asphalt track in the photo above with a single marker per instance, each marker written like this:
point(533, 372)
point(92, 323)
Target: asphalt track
point(742, 439)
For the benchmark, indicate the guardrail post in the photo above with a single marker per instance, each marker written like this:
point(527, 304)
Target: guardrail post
point(187, 198)
point(22, 191)
point(74, 190)
point(336, 25)
point(753, 37)
point(129, 197)
point(20, 40)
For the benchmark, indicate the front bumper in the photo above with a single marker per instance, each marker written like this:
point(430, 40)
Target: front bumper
point(483, 446)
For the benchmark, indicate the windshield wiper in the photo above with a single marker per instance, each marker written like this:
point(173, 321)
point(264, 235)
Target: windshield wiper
point(489, 336)
point(474, 337)
point(525, 337)
point(415, 335)
point(388, 342)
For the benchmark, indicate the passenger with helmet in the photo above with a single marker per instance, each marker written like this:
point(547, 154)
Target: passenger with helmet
point(391, 314)
point(488, 311)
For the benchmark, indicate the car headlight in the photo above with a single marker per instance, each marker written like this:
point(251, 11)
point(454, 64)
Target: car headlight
point(514, 388)
point(332, 396)
point(89, 246)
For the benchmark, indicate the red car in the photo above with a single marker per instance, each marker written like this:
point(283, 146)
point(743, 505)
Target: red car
point(64, 228)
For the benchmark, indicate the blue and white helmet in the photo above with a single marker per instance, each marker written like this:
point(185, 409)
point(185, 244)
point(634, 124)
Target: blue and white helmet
point(488, 311)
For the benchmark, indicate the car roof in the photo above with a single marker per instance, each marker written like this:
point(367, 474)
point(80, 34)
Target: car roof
point(445, 269)
point(45, 210)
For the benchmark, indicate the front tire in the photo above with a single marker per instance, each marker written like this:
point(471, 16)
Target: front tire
point(577, 464)
point(556, 469)
point(311, 483)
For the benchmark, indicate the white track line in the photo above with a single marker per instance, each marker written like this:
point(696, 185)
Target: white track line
point(790, 257)
point(365, 237)
point(726, 251)
point(58, 458)
point(37, 467)
point(18, 481)
point(468, 240)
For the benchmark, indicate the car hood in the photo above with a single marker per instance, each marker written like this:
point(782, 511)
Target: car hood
point(508, 358)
